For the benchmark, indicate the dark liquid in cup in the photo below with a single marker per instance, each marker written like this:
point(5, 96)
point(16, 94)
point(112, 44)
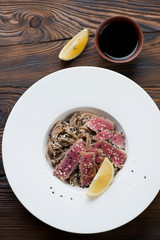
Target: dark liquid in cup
point(118, 40)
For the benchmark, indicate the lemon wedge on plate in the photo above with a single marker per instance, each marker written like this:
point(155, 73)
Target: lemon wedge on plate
point(75, 46)
point(102, 180)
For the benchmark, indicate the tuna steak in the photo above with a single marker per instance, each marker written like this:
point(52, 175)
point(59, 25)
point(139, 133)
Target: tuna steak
point(115, 137)
point(98, 124)
point(70, 160)
point(99, 158)
point(87, 168)
point(116, 155)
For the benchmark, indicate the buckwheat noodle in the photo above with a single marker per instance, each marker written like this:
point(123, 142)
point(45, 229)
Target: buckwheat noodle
point(65, 133)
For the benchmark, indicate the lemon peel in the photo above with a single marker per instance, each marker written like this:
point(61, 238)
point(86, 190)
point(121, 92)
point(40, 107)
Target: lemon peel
point(102, 180)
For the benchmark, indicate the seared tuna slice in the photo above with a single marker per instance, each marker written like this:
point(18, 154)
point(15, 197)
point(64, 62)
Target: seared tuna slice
point(70, 160)
point(98, 124)
point(99, 158)
point(115, 137)
point(116, 155)
point(87, 168)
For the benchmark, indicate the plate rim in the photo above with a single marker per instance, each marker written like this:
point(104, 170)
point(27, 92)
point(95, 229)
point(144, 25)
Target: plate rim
point(4, 132)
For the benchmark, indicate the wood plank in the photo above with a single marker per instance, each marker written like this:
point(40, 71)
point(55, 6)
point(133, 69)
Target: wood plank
point(155, 94)
point(8, 98)
point(22, 65)
point(43, 21)
point(31, 36)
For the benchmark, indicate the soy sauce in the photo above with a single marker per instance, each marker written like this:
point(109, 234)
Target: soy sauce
point(118, 40)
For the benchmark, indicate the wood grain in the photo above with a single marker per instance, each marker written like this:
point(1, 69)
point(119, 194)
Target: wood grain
point(22, 65)
point(32, 34)
point(155, 94)
point(43, 21)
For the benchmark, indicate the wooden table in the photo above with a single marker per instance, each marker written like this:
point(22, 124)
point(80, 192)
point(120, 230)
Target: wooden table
point(31, 36)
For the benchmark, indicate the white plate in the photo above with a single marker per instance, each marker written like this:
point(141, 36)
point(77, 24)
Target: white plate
point(30, 175)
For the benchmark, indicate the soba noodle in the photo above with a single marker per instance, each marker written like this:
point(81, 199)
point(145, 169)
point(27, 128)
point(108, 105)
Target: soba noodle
point(64, 134)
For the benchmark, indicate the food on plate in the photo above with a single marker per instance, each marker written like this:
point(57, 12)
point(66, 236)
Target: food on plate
point(114, 136)
point(70, 160)
point(87, 168)
point(75, 46)
point(99, 156)
point(115, 154)
point(102, 180)
point(98, 124)
point(79, 145)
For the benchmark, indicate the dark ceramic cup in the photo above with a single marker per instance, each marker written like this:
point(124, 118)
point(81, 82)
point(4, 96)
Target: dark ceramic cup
point(133, 25)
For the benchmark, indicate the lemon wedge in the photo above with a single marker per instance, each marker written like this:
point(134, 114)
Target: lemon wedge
point(102, 180)
point(75, 46)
